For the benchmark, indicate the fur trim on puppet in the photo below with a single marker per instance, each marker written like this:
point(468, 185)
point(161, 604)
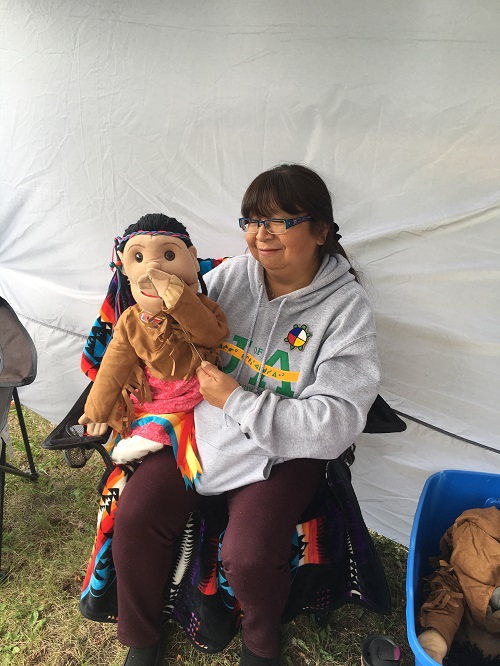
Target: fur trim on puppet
point(469, 655)
point(474, 647)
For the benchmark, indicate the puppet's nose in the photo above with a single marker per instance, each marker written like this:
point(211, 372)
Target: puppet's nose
point(154, 264)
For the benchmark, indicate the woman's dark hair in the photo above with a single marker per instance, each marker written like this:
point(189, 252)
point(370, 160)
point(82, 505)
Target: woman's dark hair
point(151, 222)
point(295, 189)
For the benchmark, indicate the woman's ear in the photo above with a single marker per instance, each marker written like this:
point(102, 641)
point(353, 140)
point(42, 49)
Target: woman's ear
point(194, 254)
point(120, 257)
point(322, 234)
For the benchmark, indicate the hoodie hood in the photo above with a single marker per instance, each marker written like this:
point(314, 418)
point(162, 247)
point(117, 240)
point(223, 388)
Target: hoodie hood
point(333, 274)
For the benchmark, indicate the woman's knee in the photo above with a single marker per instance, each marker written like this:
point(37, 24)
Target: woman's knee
point(132, 524)
point(249, 558)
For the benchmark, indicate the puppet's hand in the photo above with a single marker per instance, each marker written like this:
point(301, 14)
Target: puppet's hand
point(160, 280)
point(134, 448)
point(93, 429)
point(434, 644)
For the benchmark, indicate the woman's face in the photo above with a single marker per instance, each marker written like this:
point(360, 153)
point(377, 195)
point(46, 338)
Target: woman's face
point(294, 251)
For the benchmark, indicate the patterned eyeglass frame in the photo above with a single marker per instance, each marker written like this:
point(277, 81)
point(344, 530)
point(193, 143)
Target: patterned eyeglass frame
point(291, 222)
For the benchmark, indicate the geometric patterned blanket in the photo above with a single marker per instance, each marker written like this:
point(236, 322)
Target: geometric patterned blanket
point(333, 562)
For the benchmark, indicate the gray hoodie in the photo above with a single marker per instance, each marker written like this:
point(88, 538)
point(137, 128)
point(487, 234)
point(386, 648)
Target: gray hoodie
point(308, 368)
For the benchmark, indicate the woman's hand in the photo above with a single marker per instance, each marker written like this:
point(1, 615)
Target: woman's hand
point(215, 385)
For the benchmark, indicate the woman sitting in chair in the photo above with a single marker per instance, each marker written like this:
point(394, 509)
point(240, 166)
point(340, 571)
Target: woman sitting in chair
point(300, 373)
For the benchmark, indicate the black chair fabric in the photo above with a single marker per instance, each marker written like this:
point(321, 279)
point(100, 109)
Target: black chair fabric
point(382, 418)
point(18, 367)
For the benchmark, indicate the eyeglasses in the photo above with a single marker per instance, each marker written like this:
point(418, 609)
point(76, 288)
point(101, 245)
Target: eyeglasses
point(273, 226)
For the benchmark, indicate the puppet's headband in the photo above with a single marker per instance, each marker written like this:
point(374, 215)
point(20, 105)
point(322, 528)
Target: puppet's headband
point(123, 239)
point(119, 240)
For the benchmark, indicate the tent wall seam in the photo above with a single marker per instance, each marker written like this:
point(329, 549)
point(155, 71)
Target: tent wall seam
point(446, 432)
point(54, 328)
point(402, 414)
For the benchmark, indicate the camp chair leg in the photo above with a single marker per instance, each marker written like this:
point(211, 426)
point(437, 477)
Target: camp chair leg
point(22, 424)
point(2, 489)
point(5, 467)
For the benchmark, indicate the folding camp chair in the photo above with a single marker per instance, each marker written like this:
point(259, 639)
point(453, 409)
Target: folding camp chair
point(17, 368)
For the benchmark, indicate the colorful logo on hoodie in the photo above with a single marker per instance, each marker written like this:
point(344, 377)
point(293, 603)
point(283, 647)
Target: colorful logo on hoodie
point(298, 336)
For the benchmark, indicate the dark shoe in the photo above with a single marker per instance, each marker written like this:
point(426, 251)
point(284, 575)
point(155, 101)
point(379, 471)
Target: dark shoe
point(248, 658)
point(147, 656)
point(380, 651)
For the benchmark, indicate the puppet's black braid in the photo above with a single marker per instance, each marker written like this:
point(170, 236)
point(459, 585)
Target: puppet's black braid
point(123, 298)
point(157, 222)
point(202, 284)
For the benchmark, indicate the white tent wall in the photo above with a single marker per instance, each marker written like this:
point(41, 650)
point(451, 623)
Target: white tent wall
point(110, 110)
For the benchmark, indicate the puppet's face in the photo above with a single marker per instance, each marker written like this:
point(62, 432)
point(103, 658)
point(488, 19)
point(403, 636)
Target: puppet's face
point(165, 253)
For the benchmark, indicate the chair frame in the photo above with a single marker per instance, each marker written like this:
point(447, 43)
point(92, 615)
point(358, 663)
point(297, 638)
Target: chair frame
point(69, 435)
point(5, 467)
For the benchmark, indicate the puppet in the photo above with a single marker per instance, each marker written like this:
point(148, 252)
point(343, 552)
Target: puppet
point(146, 386)
point(461, 615)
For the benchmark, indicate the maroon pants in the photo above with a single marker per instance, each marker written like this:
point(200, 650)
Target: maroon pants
point(153, 511)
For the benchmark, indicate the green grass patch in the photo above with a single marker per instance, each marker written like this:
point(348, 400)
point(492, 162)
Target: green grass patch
point(49, 528)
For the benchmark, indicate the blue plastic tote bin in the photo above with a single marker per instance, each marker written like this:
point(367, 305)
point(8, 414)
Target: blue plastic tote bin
point(444, 497)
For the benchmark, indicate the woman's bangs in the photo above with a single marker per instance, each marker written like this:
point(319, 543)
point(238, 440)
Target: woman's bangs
point(264, 198)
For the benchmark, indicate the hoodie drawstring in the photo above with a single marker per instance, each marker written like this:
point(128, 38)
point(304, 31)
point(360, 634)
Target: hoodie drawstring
point(245, 351)
point(269, 338)
point(250, 333)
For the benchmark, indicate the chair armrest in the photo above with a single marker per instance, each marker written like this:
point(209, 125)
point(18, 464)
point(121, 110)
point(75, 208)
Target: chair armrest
point(69, 434)
point(382, 418)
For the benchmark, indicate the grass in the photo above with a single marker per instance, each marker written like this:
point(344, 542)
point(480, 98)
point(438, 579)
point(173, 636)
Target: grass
point(48, 534)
